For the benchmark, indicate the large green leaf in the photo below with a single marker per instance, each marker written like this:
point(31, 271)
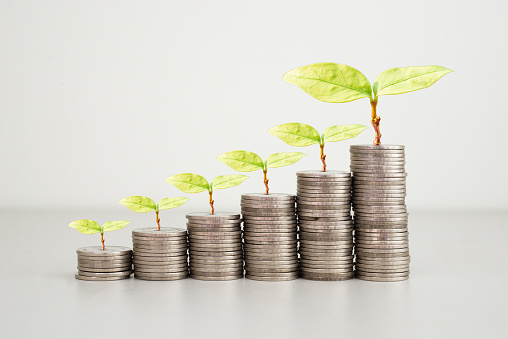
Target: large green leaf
point(167, 203)
point(189, 182)
point(86, 226)
point(227, 181)
point(139, 204)
point(242, 161)
point(330, 82)
point(283, 159)
point(296, 134)
point(407, 79)
point(342, 132)
point(114, 225)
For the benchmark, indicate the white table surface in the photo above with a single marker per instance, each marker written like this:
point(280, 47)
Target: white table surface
point(458, 288)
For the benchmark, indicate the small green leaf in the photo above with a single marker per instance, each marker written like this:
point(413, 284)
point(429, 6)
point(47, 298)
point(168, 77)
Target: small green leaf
point(407, 79)
point(296, 134)
point(283, 159)
point(189, 182)
point(86, 226)
point(167, 203)
point(114, 225)
point(139, 204)
point(342, 132)
point(227, 181)
point(330, 82)
point(242, 161)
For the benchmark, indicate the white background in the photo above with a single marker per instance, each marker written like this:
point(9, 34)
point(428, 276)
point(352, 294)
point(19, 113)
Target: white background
point(105, 99)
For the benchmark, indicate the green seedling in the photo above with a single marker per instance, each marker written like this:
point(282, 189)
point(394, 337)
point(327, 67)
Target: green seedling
point(141, 204)
point(86, 226)
point(337, 83)
point(193, 183)
point(244, 161)
point(300, 135)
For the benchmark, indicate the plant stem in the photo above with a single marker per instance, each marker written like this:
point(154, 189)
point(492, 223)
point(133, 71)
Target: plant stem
point(265, 180)
point(102, 241)
point(211, 201)
point(323, 156)
point(375, 122)
point(158, 220)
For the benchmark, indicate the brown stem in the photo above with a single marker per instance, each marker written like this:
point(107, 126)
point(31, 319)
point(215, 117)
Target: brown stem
point(102, 241)
point(211, 201)
point(265, 180)
point(375, 123)
point(158, 220)
point(323, 156)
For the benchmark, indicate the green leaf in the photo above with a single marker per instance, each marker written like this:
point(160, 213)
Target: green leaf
point(242, 161)
point(139, 204)
point(407, 79)
point(330, 82)
point(227, 181)
point(114, 225)
point(296, 134)
point(283, 159)
point(342, 132)
point(167, 203)
point(86, 226)
point(189, 182)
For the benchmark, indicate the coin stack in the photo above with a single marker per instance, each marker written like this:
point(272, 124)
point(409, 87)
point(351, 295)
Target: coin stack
point(270, 236)
point(160, 255)
point(380, 214)
point(96, 264)
point(326, 226)
point(215, 246)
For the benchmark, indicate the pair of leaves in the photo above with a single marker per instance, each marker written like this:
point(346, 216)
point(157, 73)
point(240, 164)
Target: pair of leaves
point(142, 204)
point(296, 134)
point(245, 161)
point(87, 226)
point(336, 83)
point(194, 183)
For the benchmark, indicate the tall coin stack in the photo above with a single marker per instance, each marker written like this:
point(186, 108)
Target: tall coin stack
point(160, 255)
point(96, 264)
point(215, 246)
point(270, 236)
point(326, 225)
point(380, 214)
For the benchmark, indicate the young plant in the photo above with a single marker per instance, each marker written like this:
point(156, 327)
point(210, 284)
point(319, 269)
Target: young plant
point(336, 83)
point(244, 161)
point(193, 183)
point(296, 134)
point(86, 226)
point(141, 204)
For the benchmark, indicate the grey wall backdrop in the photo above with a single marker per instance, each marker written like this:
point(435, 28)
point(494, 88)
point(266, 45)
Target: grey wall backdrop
point(105, 99)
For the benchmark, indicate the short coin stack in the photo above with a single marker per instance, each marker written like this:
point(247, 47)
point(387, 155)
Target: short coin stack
point(96, 264)
point(160, 255)
point(326, 225)
point(270, 236)
point(379, 191)
point(215, 246)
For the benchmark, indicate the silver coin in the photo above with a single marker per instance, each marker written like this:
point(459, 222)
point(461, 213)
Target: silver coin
point(272, 278)
point(331, 265)
point(172, 252)
point(105, 270)
point(251, 206)
point(216, 216)
point(377, 170)
point(257, 233)
point(365, 255)
point(213, 223)
point(376, 161)
point(380, 275)
point(339, 203)
point(217, 278)
point(216, 247)
point(337, 196)
point(346, 260)
point(247, 214)
point(314, 219)
point(267, 197)
point(338, 215)
point(318, 278)
point(88, 278)
point(193, 230)
point(383, 279)
point(160, 270)
point(266, 219)
point(323, 192)
point(322, 206)
point(323, 181)
point(106, 274)
point(380, 148)
point(216, 272)
point(105, 265)
point(217, 233)
point(215, 266)
point(164, 232)
point(309, 275)
point(384, 262)
point(316, 222)
point(215, 238)
point(264, 272)
point(95, 261)
point(343, 187)
point(160, 263)
point(109, 251)
point(161, 276)
point(321, 255)
point(182, 241)
point(172, 247)
point(153, 258)
point(321, 174)
point(380, 210)
point(372, 269)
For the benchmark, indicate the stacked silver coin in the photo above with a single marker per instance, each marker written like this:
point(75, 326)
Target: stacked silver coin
point(270, 236)
point(96, 264)
point(215, 246)
point(160, 255)
point(380, 214)
point(326, 225)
